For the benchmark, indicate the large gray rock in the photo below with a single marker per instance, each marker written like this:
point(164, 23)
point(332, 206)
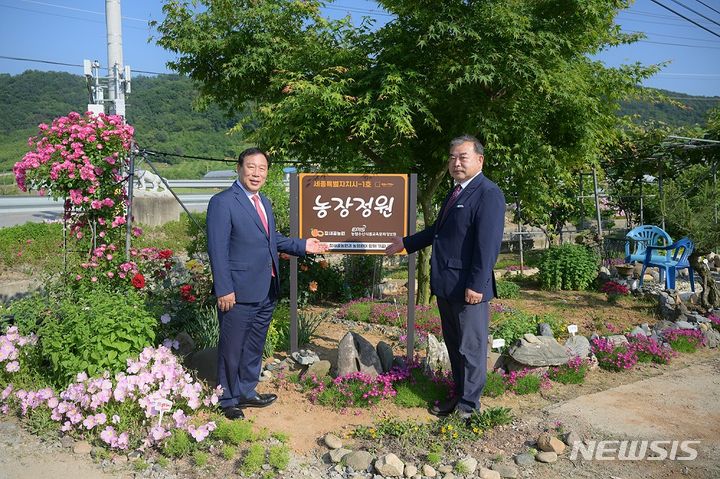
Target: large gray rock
point(437, 355)
point(355, 353)
point(578, 346)
point(507, 471)
point(359, 460)
point(204, 362)
point(389, 465)
point(537, 351)
point(618, 340)
point(544, 329)
point(385, 353)
point(319, 369)
point(712, 338)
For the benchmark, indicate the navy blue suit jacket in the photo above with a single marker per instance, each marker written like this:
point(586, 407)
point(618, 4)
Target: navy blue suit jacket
point(241, 254)
point(466, 243)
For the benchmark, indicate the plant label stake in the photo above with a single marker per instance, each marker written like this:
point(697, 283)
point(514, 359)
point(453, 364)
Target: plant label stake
point(162, 405)
point(498, 344)
point(572, 329)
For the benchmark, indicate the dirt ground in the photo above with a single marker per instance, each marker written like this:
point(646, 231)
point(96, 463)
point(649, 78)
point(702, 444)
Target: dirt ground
point(678, 401)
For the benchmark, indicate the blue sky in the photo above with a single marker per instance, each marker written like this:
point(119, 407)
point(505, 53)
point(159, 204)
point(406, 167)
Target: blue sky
point(68, 31)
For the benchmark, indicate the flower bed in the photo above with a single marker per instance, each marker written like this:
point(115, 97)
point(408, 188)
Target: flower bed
point(612, 357)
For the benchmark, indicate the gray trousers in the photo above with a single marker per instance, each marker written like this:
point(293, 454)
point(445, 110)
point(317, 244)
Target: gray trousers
point(465, 331)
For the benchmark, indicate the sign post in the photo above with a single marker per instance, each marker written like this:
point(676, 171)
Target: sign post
point(353, 214)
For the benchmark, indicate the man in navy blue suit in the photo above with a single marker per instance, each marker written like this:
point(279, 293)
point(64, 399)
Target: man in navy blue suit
point(466, 240)
point(243, 246)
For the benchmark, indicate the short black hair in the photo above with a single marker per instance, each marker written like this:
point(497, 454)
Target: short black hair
point(479, 149)
point(252, 151)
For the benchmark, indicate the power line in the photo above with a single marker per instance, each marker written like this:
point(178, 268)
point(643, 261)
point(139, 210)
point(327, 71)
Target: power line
point(680, 44)
point(49, 62)
point(686, 18)
point(708, 6)
point(67, 16)
point(695, 12)
point(671, 36)
point(45, 4)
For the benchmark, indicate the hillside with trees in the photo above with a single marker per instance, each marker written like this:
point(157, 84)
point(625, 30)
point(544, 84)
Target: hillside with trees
point(160, 108)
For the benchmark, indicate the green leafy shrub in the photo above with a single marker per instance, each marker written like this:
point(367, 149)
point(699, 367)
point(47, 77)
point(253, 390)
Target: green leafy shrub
point(568, 266)
point(507, 289)
point(27, 313)
point(512, 325)
point(278, 338)
point(200, 458)
point(571, 373)
point(494, 385)
point(179, 444)
point(419, 390)
point(94, 330)
point(254, 459)
point(32, 246)
point(234, 432)
point(279, 456)
point(527, 384)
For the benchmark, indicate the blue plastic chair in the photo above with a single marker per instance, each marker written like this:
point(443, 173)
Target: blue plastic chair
point(642, 237)
point(680, 251)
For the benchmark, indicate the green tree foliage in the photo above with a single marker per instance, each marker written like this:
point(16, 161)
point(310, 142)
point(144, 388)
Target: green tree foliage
point(355, 97)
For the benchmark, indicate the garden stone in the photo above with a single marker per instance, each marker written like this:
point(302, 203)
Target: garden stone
point(355, 353)
point(265, 376)
point(700, 319)
point(488, 474)
point(359, 460)
point(204, 362)
point(594, 336)
point(449, 475)
point(646, 328)
point(571, 438)
point(578, 346)
point(437, 355)
point(524, 459)
point(618, 340)
point(604, 274)
point(389, 465)
point(549, 443)
point(429, 471)
point(712, 338)
point(67, 442)
point(82, 447)
point(534, 350)
point(410, 470)
point(332, 441)
point(319, 369)
point(546, 457)
point(638, 331)
point(505, 470)
point(684, 325)
point(385, 353)
point(305, 357)
point(494, 361)
point(467, 465)
point(445, 468)
point(337, 455)
point(186, 344)
point(544, 329)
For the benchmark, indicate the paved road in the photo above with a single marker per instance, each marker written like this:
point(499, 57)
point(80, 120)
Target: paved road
point(16, 210)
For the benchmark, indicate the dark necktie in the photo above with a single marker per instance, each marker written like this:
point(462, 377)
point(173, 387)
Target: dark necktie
point(451, 202)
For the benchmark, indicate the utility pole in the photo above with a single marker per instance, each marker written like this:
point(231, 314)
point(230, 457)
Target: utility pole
point(117, 82)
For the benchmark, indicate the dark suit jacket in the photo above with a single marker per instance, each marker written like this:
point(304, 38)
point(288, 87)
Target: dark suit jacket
point(241, 253)
point(466, 243)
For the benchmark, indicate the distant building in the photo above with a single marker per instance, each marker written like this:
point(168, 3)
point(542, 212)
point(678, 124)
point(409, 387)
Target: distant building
point(220, 175)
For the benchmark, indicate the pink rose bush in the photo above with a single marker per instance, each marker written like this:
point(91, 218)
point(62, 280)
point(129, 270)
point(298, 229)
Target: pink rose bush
point(123, 411)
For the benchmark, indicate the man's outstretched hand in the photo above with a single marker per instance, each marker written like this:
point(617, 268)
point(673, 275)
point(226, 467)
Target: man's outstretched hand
point(396, 245)
point(314, 246)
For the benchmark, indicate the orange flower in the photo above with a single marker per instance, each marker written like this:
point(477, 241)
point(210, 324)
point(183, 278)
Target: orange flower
point(323, 264)
point(313, 286)
point(303, 267)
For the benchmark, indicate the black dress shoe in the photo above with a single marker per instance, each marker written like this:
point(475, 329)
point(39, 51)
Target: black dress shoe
point(233, 412)
point(259, 400)
point(444, 408)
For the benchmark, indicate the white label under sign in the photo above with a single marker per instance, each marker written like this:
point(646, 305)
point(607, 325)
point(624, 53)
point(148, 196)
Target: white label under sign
point(498, 343)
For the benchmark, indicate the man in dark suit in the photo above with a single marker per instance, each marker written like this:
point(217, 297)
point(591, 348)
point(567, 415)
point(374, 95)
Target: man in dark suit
point(466, 241)
point(243, 247)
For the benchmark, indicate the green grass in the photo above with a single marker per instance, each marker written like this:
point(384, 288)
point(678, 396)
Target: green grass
point(419, 391)
point(254, 459)
point(279, 457)
point(200, 458)
point(179, 444)
point(529, 384)
point(494, 385)
point(234, 432)
point(683, 345)
point(228, 452)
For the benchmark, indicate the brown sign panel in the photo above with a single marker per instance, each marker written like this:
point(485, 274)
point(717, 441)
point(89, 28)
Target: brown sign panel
point(353, 213)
